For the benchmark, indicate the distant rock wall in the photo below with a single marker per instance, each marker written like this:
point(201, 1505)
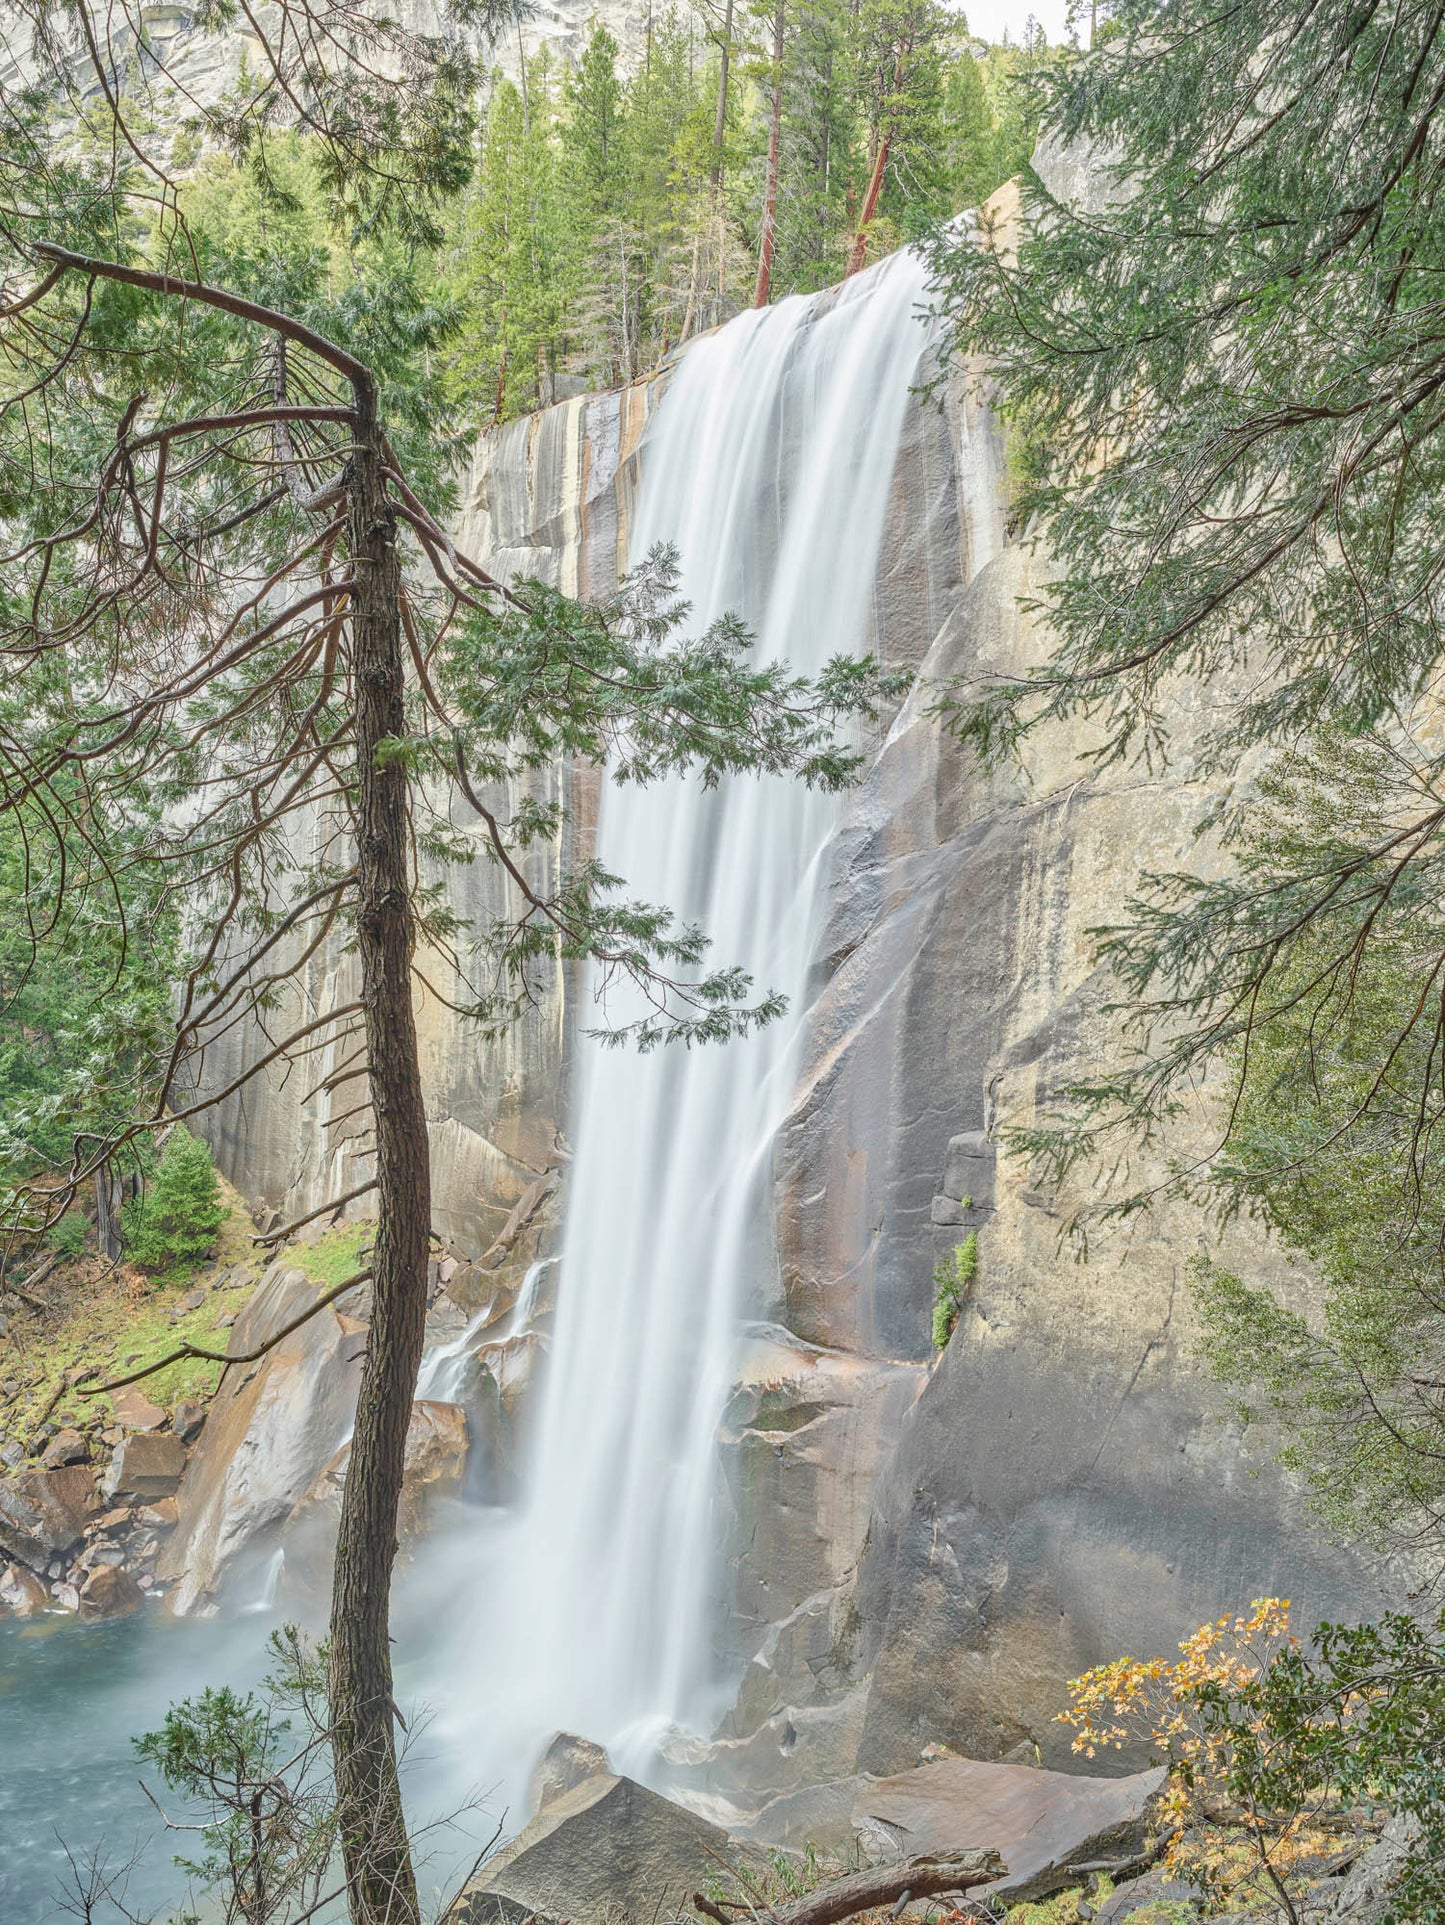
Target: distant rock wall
point(182, 68)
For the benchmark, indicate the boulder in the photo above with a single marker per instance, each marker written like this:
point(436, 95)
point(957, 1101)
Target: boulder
point(134, 1410)
point(66, 1447)
point(1154, 1899)
point(1041, 1821)
point(110, 1592)
point(187, 1419)
point(43, 1513)
point(604, 1853)
point(144, 1468)
point(567, 1762)
point(1368, 1894)
point(22, 1592)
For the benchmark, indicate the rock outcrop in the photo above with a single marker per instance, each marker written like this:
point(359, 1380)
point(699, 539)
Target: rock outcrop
point(259, 1501)
point(272, 1428)
point(43, 1513)
point(926, 1549)
point(607, 1851)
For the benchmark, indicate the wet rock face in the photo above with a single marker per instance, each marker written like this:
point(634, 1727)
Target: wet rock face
point(1068, 1485)
point(435, 1468)
point(271, 1430)
point(260, 1497)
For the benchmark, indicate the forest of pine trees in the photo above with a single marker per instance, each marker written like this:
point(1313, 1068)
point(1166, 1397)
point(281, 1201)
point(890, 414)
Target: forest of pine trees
point(613, 214)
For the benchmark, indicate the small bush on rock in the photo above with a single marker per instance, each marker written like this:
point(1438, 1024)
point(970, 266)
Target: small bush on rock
point(953, 1279)
point(177, 1219)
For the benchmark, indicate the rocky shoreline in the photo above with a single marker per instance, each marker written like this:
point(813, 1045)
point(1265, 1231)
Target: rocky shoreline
point(187, 1501)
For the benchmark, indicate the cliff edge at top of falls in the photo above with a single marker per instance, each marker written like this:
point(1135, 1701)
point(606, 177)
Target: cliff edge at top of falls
point(922, 1551)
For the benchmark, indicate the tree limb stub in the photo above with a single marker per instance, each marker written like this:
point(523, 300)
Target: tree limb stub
point(240, 1356)
point(884, 1885)
point(325, 1209)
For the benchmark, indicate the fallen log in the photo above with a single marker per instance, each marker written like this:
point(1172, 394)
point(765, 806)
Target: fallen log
point(23, 1290)
point(884, 1886)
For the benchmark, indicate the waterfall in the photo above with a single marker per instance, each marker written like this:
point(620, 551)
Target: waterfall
point(768, 465)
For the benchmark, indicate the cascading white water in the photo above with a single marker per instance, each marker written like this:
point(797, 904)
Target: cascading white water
point(768, 466)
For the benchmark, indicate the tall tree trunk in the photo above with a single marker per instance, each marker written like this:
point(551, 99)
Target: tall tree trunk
point(720, 124)
point(858, 253)
point(689, 313)
point(522, 76)
point(770, 191)
point(381, 1883)
point(107, 1214)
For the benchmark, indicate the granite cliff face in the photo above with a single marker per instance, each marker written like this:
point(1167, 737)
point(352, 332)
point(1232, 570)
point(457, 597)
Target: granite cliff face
point(925, 1551)
point(179, 67)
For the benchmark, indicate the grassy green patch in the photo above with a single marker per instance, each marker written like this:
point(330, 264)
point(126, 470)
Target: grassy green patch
point(116, 1326)
point(117, 1322)
point(337, 1255)
point(1063, 1907)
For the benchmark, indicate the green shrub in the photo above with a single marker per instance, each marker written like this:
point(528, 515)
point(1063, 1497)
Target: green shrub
point(253, 1770)
point(177, 1218)
point(67, 1237)
point(953, 1280)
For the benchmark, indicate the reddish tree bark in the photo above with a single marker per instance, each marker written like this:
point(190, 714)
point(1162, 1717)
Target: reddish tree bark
point(381, 1883)
point(858, 252)
point(770, 190)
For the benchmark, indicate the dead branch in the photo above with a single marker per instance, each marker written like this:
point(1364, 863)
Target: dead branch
point(926, 1877)
point(44, 1418)
point(356, 372)
point(337, 1203)
point(37, 1276)
point(226, 1357)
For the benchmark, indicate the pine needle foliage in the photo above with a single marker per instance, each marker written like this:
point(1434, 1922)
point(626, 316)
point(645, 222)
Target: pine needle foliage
point(1222, 330)
point(176, 1217)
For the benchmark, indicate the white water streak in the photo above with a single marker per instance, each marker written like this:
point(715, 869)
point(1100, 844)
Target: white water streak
point(768, 465)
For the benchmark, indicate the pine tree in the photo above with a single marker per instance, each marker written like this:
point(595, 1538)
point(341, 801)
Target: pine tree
point(816, 158)
point(510, 260)
point(900, 93)
point(971, 137)
point(179, 1210)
